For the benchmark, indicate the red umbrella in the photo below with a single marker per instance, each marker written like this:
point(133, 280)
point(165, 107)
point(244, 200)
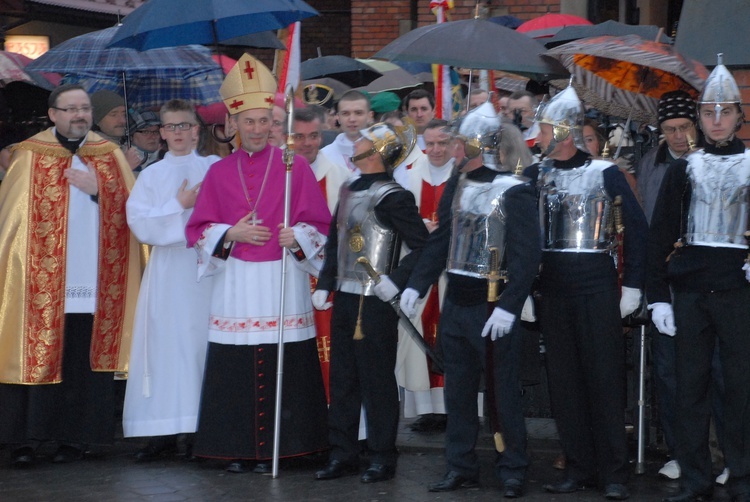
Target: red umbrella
point(549, 24)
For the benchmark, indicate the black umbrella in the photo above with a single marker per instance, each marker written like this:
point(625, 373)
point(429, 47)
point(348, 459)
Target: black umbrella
point(342, 68)
point(476, 44)
point(612, 28)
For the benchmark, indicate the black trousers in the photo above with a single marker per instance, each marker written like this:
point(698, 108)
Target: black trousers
point(464, 360)
point(363, 372)
point(78, 411)
point(585, 351)
point(701, 319)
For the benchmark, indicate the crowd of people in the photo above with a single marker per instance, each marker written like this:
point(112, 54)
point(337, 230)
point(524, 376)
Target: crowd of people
point(143, 244)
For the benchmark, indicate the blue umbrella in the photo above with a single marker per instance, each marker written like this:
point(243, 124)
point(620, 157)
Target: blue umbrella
point(167, 23)
point(89, 55)
point(147, 78)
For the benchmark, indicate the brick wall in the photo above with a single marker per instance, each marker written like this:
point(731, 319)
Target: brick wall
point(375, 24)
point(742, 77)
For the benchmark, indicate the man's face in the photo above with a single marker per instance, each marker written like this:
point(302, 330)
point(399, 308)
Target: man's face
point(147, 139)
point(353, 116)
point(307, 139)
point(254, 127)
point(477, 99)
point(437, 143)
point(113, 123)
point(179, 141)
point(523, 107)
point(72, 114)
point(676, 132)
point(277, 137)
point(719, 127)
point(366, 164)
point(504, 108)
point(420, 111)
point(545, 138)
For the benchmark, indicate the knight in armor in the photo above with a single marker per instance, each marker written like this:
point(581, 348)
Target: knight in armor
point(487, 229)
point(374, 216)
point(581, 304)
point(698, 288)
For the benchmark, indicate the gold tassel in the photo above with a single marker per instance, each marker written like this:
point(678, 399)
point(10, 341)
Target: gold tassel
point(499, 443)
point(358, 334)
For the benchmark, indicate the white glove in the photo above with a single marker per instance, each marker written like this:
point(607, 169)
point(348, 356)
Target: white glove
point(320, 300)
point(386, 289)
point(499, 324)
point(408, 302)
point(746, 268)
point(528, 313)
point(631, 298)
point(663, 317)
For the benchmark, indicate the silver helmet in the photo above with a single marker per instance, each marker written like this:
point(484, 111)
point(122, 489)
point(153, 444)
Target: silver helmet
point(480, 131)
point(720, 88)
point(392, 143)
point(565, 114)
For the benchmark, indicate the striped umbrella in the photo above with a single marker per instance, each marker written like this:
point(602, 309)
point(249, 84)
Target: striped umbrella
point(625, 76)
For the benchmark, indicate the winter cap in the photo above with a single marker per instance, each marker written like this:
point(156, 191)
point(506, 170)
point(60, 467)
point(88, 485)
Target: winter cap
point(676, 105)
point(105, 101)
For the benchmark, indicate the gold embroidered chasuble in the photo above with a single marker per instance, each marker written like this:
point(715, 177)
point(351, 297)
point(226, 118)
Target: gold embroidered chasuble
point(33, 248)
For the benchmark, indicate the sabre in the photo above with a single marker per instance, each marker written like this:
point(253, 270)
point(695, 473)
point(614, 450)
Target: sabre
point(493, 295)
point(289, 161)
point(405, 322)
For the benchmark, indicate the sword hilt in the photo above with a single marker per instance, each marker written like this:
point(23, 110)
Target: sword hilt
point(374, 275)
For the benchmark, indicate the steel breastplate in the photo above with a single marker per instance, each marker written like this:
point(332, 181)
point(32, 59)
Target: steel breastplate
point(575, 210)
point(362, 234)
point(478, 225)
point(720, 200)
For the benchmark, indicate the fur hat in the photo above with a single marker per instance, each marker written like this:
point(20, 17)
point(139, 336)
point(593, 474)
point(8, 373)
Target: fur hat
point(676, 105)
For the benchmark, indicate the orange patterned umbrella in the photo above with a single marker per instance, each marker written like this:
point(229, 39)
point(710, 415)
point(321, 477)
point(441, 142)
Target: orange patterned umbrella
point(625, 76)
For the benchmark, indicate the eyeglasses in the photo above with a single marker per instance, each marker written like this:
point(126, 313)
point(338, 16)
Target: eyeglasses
point(73, 109)
point(669, 130)
point(182, 126)
point(155, 132)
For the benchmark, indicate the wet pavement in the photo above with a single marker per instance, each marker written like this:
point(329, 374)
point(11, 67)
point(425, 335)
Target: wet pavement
point(114, 476)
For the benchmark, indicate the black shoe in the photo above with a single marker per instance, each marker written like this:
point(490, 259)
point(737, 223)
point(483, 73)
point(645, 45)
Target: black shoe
point(155, 449)
point(378, 472)
point(513, 489)
point(691, 496)
point(238, 466)
point(430, 423)
point(453, 481)
point(616, 491)
point(335, 469)
point(66, 454)
point(22, 457)
point(262, 468)
point(566, 486)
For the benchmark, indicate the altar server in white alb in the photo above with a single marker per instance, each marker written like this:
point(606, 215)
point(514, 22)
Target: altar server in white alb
point(171, 323)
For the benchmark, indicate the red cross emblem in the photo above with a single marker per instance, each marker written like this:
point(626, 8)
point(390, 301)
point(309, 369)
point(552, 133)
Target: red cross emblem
point(236, 104)
point(249, 70)
point(269, 100)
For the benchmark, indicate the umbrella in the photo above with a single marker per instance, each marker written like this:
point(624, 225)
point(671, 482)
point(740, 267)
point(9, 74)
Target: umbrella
point(169, 23)
point(549, 24)
point(613, 28)
point(473, 43)
point(13, 69)
point(394, 77)
point(89, 56)
point(511, 22)
point(260, 40)
point(342, 68)
point(625, 76)
point(420, 71)
point(146, 79)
